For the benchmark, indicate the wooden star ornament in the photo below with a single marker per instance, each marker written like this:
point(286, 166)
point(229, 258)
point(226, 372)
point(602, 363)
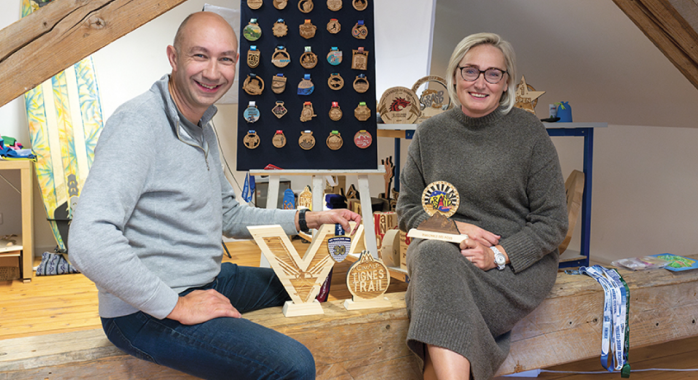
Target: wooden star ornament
point(527, 96)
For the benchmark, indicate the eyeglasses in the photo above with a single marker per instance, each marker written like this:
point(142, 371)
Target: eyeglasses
point(492, 75)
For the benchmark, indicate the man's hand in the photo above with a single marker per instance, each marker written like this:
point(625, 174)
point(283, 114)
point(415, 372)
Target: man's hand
point(342, 216)
point(202, 305)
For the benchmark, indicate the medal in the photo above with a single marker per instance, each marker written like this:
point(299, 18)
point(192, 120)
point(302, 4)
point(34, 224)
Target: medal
point(251, 140)
point(334, 26)
point(252, 31)
point(308, 59)
point(278, 83)
point(253, 85)
point(280, 4)
point(280, 29)
point(334, 5)
point(361, 83)
point(336, 82)
point(279, 139)
point(360, 5)
point(251, 113)
point(334, 57)
point(279, 110)
point(306, 141)
point(363, 139)
point(359, 30)
point(254, 4)
point(362, 112)
point(308, 113)
point(307, 30)
point(253, 56)
point(399, 105)
point(306, 86)
point(335, 112)
point(359, 59)
point(334, 140)
point(442, 197)
point(280, 58)
point(305, 6)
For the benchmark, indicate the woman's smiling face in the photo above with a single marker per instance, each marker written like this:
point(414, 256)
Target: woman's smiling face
point(479, 97)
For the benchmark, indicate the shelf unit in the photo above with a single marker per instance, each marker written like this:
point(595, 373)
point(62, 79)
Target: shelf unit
point(27, 191)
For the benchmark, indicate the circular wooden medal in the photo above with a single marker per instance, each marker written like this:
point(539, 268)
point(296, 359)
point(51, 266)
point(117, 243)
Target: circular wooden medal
point(306, 6)
point(360, 5)
point(306, 141)
point(359, 59)
point(280, 4)
point(334, 57)
point(280, 28)
point(399, 105)
point(334, 26)
point(279, 139)
point(251, 140)
point(363, 139)
point(434, 98)
point(361, 84)
point(306, 86)
point(255, 4)
point(359, 31)
point(362, 112)
point(334, 5)
point(307, 29)
point(335, 112)
point(252, 32)
point(307, 113)
point(251, 113)
point(280, 58)
point(279, 110)
point(334, 140)
point(335, 81)
point(253, 57)
point(308, 59)
point(253, 85)
point(441, 197)
point(278, 83)
point(368, 278)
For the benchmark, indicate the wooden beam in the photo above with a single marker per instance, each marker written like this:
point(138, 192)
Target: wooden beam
point(38, 46)
point(668, 30)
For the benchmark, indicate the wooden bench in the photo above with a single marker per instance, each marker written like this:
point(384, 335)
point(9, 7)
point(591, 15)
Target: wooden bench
point(370, 344)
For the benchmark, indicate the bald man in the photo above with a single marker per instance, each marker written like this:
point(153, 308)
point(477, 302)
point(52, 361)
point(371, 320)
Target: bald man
point(148, 227)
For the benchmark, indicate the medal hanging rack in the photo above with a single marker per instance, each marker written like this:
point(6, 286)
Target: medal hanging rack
point(307, 73)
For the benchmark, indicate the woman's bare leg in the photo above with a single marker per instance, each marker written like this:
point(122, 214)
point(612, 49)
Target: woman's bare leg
point(444, 364)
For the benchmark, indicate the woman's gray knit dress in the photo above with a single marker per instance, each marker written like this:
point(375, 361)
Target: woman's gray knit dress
point(507, 172)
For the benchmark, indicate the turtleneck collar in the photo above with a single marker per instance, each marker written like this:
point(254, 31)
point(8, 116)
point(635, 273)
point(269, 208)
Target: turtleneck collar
point(477, 122)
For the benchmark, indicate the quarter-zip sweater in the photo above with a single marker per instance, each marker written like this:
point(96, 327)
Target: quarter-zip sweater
point(154, 207)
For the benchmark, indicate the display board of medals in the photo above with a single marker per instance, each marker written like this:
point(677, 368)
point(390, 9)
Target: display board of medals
point(307, 96)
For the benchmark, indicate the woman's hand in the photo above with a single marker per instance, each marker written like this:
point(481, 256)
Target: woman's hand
point(478, 254)
point(478, 234)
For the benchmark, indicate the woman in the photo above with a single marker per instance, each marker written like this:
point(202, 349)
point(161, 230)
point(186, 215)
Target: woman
point(462, 304)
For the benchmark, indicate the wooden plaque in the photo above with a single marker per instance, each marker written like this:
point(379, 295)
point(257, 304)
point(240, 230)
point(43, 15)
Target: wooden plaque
point(399, 105)
point(433, 99)
point(305, 199)
point(367, 281)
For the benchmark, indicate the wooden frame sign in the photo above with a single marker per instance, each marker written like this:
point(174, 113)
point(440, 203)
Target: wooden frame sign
point(301, 276)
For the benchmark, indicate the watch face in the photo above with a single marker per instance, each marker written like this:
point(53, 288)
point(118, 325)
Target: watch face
point(499, 259)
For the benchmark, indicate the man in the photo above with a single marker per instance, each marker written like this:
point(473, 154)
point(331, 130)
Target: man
point(148, 227)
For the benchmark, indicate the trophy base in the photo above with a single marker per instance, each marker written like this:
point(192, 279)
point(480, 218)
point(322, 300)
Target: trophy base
point(362, 303)
point(296, 310)
point(422, 234)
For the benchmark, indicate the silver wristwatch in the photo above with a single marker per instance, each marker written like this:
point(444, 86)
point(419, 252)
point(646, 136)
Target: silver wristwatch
point(499, 260)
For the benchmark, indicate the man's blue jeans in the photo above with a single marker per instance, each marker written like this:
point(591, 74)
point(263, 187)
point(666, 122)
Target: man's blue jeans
point(222, 348)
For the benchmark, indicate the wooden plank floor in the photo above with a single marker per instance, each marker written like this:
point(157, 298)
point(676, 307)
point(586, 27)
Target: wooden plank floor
point(56, 304)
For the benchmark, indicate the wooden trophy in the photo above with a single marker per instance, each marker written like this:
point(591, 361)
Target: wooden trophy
point(367, 281)
point(440, 200)
point(527, 96)
point(301, 276)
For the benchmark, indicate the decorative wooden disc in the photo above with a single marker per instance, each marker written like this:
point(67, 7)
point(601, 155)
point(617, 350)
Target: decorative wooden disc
point(335, 112)
point(308, 60)
point(279, 110)
point(360, 5)
point(399, 105)
point(335, 81)
point(368, 278)
point(334, 140)
point(280, 4)
point(334, 26)
point(253, 57)
point(306, 141)
point(361, 84)
point(278, 83)
point(280, 58)
point(254, 4)
point(307, 29)
point(359, 31)
point(305, 199)
point(251, 140)
point(363, 139)
point(434, 98)
point(308, 113)
point(306, 6)
point(280, 28)
point(362, 112)
point(441, 197)
point(334, 5)
point(251, 113)
point(253, 85)
point(334, 57)
point(359, 59)
point(252, 32)
point(306, 86)
point(279, 139)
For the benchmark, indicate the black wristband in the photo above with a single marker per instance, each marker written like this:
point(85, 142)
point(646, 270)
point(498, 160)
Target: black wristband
point(301, 220)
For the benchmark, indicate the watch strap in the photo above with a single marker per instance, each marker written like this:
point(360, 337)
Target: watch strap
point(499, 253)
point(301, 220)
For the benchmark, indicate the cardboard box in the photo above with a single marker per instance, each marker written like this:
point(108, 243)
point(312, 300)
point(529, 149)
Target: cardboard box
point(9, 266)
